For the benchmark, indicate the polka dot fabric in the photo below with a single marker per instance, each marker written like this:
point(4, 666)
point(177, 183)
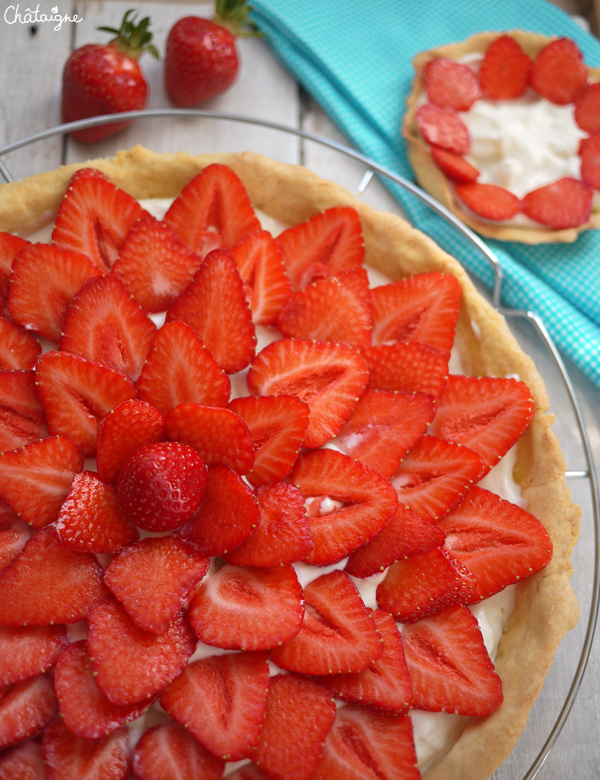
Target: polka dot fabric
point(355, 59)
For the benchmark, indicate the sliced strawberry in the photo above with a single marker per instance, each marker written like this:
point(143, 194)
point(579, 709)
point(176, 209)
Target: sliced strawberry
point(49, 584)
point(77, 393)
point(587, 111)
point(406, 534)
point(486, 414)
point(213, 211)
point(10, 246)
point(35, 479)
point(25, 709)
point(435, 476)
point(219, 436)
point(368, 503)
point(227, 516)
point(22, 418)
point(44, 281)
point(337, 635)
point(386, 684)
point(180, 370)
point(228, 716)
point(410, 368)
point(329, 377)
point(444, 128)
point(13, 535)
point(505, 69)
point(26, 651)
point(84, 708)
point(154, 265)
point(283, 534)
point(18, 349)
point(323, 246)
point(565, 203)
point(384, 426)
point(94, 218)
point(248, 609)
point(558, 72)
point(455, 167)
point(367, 745)
point(248, 772)
point(277, 425)
point(448, 664)
point(168, 751)
point(91, 520)
point(451, 84)
point(488, 200)
point(299, 715)
point(334, 309)
point(499, 542)
point(590, 160)
point(154, 578)
point(132, 665)
point(23, 762)
point(266, 284)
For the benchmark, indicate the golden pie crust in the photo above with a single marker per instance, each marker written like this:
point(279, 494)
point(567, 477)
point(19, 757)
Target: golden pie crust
point(545, 604)
point(431, 178)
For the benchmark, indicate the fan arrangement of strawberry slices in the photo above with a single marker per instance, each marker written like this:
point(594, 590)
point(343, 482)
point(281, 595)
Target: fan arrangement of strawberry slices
point(506, 72)
point(174, 551)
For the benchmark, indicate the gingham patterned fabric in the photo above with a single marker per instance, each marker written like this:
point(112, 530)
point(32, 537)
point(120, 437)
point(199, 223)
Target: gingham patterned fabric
point(354, 57)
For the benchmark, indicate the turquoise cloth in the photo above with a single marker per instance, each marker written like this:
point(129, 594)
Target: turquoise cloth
point(354, 57)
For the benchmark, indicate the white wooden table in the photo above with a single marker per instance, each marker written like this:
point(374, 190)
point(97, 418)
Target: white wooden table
point(31, 63)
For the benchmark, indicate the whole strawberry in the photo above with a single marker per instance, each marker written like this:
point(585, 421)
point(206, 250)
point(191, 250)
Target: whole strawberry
point(106, 78)
point(201, 59)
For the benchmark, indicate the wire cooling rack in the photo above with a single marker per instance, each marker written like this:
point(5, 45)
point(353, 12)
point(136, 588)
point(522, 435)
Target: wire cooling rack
point(372, 168)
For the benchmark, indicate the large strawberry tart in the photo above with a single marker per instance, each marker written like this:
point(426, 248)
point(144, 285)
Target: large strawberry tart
point(252, 524)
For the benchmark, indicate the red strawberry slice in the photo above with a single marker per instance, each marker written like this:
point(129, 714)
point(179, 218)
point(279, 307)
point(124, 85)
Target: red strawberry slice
point(505, 69)
point(367, 745)
point(227, 516)
point(406, 534)
point(169, 750)
point(299, 715)
point(410, 368)
point(338, 634)
point(154, 578)
point(384, 426)
point(587, 112)
point(486, 414)
point(266, 284)
point(488, 200)
point(435, 476)
point(213, 211)
point(215, 306)
point(219, 436)
point(133, 665)
point(590, 160)
point(453, 166)
point(227, 717)
point(499, 542)
point(154, 265)
point(124, 430)
point(444, 128)
point(23, 762)
point(558, 72)
point(94, 218)
point(27, 651)
point(385, 685)
point(22, 418)
point(35, 480)
point(448, 664)
point(368, 503)
point(277, 426)
point(179, 370)
point(91, 520)
point(283, 534)
point(13, 535)
point(329, 377)
point(248, 772)
point(565, 203)
point(422, 308)
point(84, 708)
point(25, 709)
point(248, 608)
point(77, 393)
point(334, 309)
point(451, 84)
point(18, 349)
point(323, 246)
point(44, 281)
point(49, 584)
point(10, 246)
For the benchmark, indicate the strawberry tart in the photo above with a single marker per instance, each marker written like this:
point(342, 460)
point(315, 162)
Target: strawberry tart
point(279, 495)
point(502, 129)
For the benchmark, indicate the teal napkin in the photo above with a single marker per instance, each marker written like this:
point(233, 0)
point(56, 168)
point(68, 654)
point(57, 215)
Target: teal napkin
point(354, 57)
